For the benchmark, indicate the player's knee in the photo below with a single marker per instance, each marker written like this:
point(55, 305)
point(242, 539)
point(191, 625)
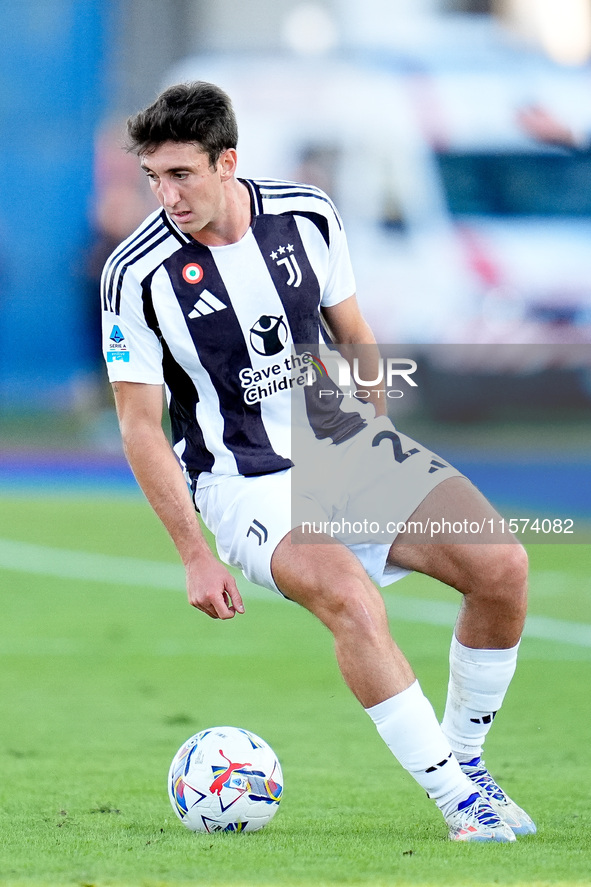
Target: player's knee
point(504, 575)
point(519, 563)
point(355, 606)
point(513, 566)
point(517, 567)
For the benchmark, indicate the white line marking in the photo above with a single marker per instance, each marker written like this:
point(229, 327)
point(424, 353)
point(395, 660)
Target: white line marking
point(24, 557)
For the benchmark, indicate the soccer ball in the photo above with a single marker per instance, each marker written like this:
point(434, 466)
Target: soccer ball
point(225, 779)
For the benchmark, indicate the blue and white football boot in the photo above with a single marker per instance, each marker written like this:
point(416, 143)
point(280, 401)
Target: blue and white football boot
point(516, 818)
point(475, 820)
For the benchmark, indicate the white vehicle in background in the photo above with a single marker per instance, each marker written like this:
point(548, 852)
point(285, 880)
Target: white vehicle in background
point(462, 228)
point(520, 209)
point(354, 132)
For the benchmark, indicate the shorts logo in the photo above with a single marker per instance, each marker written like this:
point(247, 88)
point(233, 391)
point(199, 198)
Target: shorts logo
point(268, 335)
point(259, 530)
point(192, 273)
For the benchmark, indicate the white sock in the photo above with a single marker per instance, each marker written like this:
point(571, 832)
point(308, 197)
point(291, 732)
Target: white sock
point(478, 681)
point(408, 725)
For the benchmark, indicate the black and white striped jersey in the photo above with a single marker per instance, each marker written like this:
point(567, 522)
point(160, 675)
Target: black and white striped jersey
point(218, 325)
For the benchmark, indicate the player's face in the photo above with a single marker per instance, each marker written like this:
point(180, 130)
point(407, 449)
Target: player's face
point(187, 186)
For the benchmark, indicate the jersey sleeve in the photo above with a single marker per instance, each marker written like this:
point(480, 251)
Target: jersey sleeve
point(340, 281)
point(131, 349)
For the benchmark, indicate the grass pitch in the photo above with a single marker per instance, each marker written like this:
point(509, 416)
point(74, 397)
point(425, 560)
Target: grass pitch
point(104, 675)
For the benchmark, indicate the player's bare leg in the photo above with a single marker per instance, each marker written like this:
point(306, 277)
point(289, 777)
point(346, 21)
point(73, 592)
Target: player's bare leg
point(328, 580)
point(492, 576)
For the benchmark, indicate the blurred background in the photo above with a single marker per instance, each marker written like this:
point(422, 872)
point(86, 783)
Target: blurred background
point(454, 136)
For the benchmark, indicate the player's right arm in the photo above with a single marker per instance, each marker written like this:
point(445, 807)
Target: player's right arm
point(210, 587)
point(133, 355)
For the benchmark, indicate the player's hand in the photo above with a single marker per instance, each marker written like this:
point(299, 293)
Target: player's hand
point(213, 590)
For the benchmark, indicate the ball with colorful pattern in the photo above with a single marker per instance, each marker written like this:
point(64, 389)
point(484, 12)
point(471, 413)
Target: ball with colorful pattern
point(225, 779)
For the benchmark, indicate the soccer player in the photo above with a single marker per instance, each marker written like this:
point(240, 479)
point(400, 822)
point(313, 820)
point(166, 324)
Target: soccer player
point(209, 298)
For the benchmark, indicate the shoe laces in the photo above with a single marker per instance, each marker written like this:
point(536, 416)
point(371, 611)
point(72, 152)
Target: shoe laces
point(480, 810)
point(478, 773)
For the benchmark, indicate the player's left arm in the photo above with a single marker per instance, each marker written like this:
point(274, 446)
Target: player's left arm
point(349, 329)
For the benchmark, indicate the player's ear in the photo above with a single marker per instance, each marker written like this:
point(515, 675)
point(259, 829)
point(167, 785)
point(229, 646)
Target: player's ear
point(227, 163)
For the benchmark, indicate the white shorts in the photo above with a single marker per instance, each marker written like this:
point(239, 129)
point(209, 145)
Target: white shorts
point(360, 492)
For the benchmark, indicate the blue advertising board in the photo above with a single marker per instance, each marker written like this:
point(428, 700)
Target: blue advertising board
point(53, 76)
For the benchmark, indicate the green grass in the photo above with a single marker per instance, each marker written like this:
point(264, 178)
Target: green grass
point(101, 683)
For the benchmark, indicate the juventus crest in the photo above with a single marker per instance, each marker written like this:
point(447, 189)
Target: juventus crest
point(283, 255)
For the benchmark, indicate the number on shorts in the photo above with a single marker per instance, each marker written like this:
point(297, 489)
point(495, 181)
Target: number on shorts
point(399, 453)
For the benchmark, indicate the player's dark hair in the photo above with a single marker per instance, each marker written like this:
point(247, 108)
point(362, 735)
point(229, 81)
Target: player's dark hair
point(188, 112)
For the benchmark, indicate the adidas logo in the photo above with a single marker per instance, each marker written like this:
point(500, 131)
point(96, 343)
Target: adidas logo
point(207, 303)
